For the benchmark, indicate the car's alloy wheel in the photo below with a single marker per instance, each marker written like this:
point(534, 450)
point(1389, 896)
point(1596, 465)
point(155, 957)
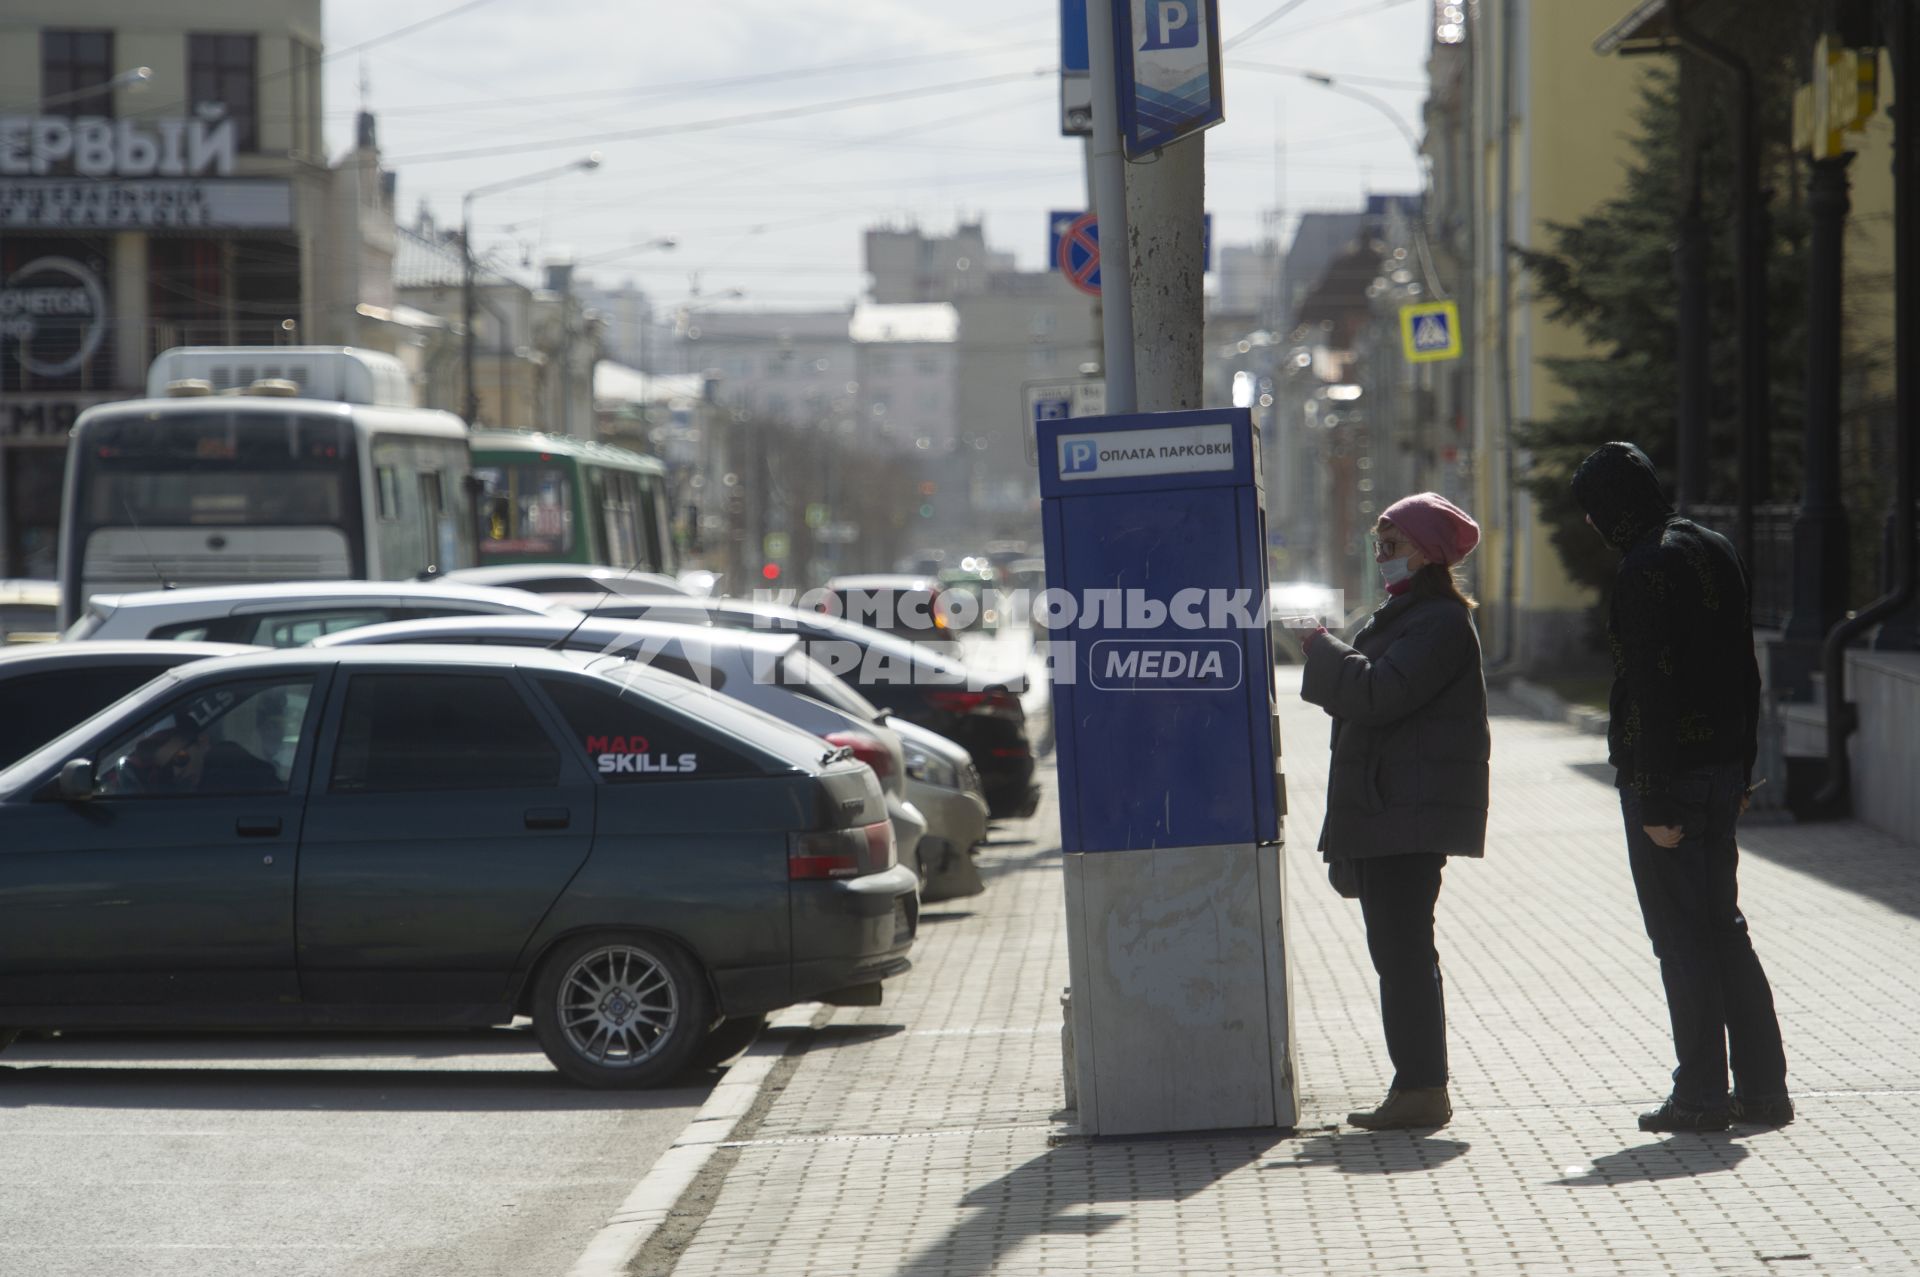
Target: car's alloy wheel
point(620, 1012)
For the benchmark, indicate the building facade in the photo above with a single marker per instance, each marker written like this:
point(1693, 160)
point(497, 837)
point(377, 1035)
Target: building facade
point(904, 364)
point(143, 212)
point(1546, 128)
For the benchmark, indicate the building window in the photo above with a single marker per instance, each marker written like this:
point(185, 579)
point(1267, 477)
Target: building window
point(74, 62)
point(220, 71)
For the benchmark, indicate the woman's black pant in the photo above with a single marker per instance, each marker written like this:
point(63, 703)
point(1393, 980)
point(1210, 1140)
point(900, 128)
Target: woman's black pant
point(1397, 896)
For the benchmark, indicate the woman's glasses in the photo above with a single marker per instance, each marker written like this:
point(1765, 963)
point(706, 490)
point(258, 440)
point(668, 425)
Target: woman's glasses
point(1387, 546)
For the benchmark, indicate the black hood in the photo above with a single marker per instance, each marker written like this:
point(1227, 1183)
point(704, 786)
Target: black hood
point(1618, 489)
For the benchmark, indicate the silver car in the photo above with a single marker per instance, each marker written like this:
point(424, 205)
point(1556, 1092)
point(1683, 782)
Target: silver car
point(940, 814)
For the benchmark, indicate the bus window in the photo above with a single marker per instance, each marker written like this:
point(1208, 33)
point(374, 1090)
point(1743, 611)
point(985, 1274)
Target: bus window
point(443, 536)
point(528, 510)
point(656, 524)
point(620, 513)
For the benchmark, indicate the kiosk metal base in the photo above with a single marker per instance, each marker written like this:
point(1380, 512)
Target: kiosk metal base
point(1179, 1013)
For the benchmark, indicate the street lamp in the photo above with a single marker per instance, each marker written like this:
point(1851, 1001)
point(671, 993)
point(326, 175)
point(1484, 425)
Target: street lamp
point(1420, 165)
point(1385, 108)
point(587, 164)
point(665, 243)
point(131, 78)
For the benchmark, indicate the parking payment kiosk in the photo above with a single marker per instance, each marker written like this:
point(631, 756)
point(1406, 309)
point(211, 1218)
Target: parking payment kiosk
point(1171, 797)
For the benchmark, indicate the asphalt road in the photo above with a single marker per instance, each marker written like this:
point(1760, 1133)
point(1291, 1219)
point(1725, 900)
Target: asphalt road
point(369, 1155)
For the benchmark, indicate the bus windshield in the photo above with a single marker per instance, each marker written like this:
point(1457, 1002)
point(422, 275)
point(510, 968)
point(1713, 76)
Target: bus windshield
point(528, 509)
point(216, 468)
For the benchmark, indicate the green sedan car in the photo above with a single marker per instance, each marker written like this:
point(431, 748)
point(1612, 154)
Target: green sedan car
point(443, 836)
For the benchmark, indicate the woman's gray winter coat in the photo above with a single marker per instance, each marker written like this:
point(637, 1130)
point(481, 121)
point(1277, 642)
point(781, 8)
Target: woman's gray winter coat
point(1410, 741)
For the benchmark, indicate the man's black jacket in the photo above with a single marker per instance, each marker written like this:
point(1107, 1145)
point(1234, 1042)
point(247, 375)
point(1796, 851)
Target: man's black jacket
point(1686, 687)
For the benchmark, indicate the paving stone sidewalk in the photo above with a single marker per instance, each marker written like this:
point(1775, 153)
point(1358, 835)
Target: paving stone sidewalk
point(913, 1138)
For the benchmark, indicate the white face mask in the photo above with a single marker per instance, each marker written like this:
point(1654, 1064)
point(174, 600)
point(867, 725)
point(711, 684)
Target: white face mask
point(1394, 571)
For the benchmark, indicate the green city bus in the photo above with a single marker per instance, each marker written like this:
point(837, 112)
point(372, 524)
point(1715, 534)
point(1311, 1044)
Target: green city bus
point(551, 499)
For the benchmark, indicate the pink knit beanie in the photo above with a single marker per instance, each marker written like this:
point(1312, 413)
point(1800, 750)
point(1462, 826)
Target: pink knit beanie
point(1438, 528)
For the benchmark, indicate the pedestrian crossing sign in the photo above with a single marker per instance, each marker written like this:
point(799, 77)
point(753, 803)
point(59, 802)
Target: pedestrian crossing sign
point(1430, 331)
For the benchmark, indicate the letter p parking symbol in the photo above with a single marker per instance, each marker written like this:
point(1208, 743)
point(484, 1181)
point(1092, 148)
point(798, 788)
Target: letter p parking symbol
point(1078, 456)
point(1170, 25)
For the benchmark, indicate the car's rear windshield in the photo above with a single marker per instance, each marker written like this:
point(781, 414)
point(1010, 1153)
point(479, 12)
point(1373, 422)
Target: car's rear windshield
point(804, 674)
point(758, 730)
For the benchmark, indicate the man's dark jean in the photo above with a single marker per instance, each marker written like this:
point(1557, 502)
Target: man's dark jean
point(1717, 994)
point(1397, 896)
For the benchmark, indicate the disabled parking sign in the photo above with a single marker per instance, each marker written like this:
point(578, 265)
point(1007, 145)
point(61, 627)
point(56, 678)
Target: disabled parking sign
point(1430, 331)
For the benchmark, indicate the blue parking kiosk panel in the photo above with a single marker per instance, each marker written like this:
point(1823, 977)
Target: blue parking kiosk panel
point(1163, 705)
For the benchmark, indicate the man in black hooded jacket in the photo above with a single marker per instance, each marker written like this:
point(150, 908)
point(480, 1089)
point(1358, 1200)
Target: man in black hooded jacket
point(1682, 739)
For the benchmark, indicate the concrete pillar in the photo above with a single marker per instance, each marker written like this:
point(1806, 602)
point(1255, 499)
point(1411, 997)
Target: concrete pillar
point(1165, 221)
point(129, 313)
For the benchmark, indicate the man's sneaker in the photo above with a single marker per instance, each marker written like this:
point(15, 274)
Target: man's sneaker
point(1776, 1110)
point(1419, 1107)
point(1675, 1116)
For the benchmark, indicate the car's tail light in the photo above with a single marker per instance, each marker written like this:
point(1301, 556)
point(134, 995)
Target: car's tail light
point(866, 749)
point(840, 853)
point(996, 702)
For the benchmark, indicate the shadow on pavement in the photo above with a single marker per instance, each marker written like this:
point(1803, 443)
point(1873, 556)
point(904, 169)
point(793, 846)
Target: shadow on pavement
point(1046, 858)
point(1845, 854)
point(255, 1089)
point(1602, 772)
point(77, 1046)
point(828, 1035)
point(1059, 1194)
point(485, 1070)
point(1362, 1153)
point(1682, 1157)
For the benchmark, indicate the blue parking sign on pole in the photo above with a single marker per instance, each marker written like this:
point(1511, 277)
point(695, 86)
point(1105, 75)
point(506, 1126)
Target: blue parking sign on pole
point(1168, 71)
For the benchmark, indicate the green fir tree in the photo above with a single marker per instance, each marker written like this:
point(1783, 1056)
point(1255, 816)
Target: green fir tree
point(1611, 276)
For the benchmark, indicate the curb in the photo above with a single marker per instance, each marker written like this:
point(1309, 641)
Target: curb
point(652, 1200)
point(1544, 703)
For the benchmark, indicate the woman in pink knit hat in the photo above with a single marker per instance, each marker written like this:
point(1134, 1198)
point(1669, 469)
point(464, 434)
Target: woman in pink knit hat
point(1408, 783)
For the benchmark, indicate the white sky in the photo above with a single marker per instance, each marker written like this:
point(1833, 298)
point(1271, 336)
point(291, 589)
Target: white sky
point(777, 207)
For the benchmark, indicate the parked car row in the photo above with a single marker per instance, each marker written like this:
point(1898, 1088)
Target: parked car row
point(641, 820)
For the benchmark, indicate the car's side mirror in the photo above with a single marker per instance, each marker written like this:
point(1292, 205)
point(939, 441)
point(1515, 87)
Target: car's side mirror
point(76, 783)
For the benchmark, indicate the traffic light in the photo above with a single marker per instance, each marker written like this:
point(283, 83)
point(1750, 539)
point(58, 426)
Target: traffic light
point(927, 488)
point(926, 510)
point(770, 572)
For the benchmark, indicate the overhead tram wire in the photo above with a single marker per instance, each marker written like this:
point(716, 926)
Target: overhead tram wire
point(1248, 33)
point(719, 122)
point(791, 156)
point(458, 10)
point(1334, 19)
point(684, 86)
point(1371, 81)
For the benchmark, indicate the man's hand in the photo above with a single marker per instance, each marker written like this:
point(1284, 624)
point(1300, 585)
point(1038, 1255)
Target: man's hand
point(1668, 836)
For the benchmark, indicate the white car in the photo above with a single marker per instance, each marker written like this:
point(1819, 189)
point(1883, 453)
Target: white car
point(293, 613)
point(566, 578)
point(940, 817)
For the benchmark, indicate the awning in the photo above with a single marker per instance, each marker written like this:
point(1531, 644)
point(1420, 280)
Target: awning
point(1645, 30)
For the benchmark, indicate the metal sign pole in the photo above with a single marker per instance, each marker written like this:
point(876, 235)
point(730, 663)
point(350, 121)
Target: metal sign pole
point(1109, 173)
